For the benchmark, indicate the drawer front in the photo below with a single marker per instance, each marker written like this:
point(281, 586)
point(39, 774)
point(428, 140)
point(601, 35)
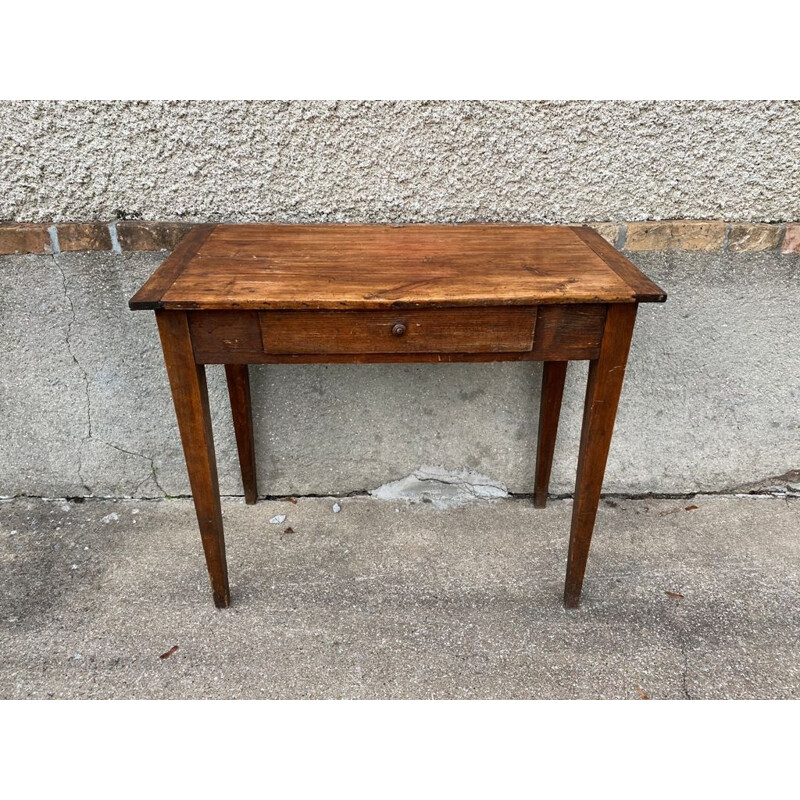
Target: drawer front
point(445, 330)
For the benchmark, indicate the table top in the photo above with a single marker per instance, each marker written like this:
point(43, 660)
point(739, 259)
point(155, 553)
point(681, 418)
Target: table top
point(227, 267)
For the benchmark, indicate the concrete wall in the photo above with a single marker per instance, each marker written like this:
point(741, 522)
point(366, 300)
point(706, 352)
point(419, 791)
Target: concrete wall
point(386, 162)
point(712, 397)
point(710, 402)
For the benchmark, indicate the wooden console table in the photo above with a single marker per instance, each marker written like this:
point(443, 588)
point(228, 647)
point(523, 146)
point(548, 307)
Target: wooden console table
point(302, 294)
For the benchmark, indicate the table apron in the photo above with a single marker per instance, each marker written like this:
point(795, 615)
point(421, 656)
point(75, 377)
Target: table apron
point(544, 333)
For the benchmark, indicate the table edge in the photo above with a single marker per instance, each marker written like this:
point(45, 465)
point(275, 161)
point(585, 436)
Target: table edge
point(644, 290)
point(150, 295)
point(395, 305)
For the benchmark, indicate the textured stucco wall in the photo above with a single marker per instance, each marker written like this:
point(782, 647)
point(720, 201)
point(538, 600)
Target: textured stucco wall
point(412, 161)
point(710, 401)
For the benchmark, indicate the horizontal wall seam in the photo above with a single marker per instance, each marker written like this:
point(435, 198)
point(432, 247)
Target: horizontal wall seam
point(20, 238)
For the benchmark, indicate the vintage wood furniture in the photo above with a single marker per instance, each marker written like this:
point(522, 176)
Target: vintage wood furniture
point(300, 294)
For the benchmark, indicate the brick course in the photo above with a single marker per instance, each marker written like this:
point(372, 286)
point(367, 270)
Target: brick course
point(751, 238)
point(676, 235)
point(136, 235)
point(19, 237)
point(132, 235)
point(791, 240)
point(608, 230)
point(83, 236)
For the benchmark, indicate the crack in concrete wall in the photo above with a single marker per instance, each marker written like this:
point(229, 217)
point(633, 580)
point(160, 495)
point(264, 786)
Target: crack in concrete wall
point(90, 434)
point(84, 374)
point(152, 475)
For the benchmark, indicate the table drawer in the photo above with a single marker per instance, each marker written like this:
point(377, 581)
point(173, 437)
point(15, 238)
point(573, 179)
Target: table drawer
point(445, 330)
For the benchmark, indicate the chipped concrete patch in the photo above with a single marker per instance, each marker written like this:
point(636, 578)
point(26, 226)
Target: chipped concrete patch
point(441, 487)
point(787, 485)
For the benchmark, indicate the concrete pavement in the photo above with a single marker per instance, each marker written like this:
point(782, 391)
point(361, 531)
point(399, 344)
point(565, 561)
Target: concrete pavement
point(393, 600)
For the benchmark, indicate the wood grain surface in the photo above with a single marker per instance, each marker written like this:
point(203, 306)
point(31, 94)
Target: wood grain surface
point(238, 379)
point(190, 397)
point(606, 374)
point(379, 267)
point(149, 297)
point(566, 332)
point(553, 377)
point(646, 291)
point(248, 294)
point(446, 330)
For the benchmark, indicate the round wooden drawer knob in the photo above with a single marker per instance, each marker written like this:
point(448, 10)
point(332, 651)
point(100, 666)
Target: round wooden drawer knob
point(399, 329)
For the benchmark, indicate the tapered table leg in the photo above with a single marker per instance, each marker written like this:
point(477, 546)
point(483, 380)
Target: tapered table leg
point(553, 376)
point(190, 396)
point(238, 378)
point(606, 374)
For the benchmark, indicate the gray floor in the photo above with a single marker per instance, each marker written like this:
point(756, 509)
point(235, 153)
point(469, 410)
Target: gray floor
point(386, 600)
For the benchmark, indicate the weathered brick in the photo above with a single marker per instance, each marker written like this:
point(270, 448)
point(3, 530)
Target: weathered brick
point(676, 235)
point(608, 230)
point(750, 237)
point(135, 235)
point(18, 237)
point(83, 236)
point(791, 240)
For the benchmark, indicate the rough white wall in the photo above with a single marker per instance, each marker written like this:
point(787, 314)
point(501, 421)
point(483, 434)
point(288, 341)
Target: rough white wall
point(409, 161)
